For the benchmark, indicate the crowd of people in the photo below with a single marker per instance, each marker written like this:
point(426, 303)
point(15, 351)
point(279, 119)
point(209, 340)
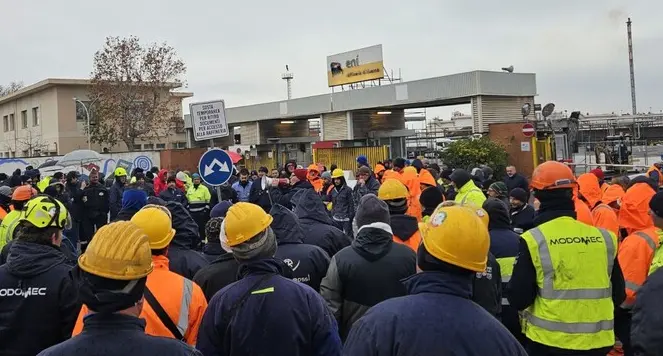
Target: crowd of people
point(411, 259)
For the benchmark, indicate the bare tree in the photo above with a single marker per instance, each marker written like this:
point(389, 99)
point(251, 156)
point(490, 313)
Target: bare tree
point(32, 142)
point(10, 88)
point(132, 91)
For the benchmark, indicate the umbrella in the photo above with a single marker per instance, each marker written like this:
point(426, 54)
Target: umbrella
point(235, 157)
point(79, 157)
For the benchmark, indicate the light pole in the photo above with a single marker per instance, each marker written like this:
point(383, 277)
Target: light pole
point(87, 113)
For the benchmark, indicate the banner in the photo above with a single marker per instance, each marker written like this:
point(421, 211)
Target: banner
point(355, 66)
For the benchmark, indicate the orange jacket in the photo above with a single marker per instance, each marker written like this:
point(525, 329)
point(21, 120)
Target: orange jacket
point(613, 193)
point(377, 170)
point(605, 217)
point(317, 183)
point(413, 242)
point(425, 177)
point(583, 214)
point(589, 189)
point(411, 181)
point(168, 288)
point(634, 209)
point(635, 256)
point(392, 174)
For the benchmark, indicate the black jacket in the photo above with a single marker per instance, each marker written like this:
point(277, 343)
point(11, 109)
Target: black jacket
point(218, 274)
point(517, 181)
point(487, 287)
point(118, 334)
point(38, 301)
point(284, 197)
point(74, 195)
point(183, 260)
point(647, 319)
point(523, 217)
point(319, 229)
point(115, 198)
point(260, 196)
point(365, 274)
point(174, 194)
point(66, 247)
point(309, 263)
point(212, 251)
point(95, 200)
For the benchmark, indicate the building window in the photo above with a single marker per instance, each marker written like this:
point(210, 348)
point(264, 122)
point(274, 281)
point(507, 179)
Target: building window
point(161, 146)
point(12, 122)
point(24, 153)
point(179, 145)
point(35, 116)
point(148, 146)
point(137, 147)
point(5, 123)
point(24, 119)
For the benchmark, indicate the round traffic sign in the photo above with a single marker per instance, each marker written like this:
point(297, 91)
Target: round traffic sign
point(528, 130)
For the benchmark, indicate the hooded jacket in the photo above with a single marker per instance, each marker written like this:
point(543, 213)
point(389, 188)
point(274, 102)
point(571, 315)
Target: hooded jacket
point(343, 205)
point(318, 227)
point(522, 217)
point(183, 260)
point(260, 196)
point(602, 215)
point(365, 274)
point(115, 198)
point(634, 210)
point(265, 313)
point(38, 300)
point(118, 334)
point(284, 197)
point(437, 317)
point(218, 274)
point(406, 231)
point(132, 201)
point(371, 186)
point(309, 263)
point(160, 182)
point(467, 191)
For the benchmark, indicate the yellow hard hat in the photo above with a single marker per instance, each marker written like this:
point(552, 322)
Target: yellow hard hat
point(120, 172)
point(44, 211)
point(119, 251)
point(337, 173)
point(456, 235)
point(157, 225)
point(330, 206)
point(392, 189)
point(410, 169)
point(244, 221)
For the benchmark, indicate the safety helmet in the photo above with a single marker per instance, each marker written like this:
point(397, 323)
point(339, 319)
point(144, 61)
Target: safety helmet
point(313, 167)
point(456, 235)
point(338, 173)
point(552, 175)
point(24, 193)
point(410, 169)
point(480, 212)
point(244, 221)
point(119, 251)
point(120, 172)
point(392, 189)
point(157, 225)
point(45, 211)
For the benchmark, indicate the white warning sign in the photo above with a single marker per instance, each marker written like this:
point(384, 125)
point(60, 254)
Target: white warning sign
point(208, 120)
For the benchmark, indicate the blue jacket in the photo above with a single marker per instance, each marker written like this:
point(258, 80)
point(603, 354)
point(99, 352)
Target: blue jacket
point(115, 198)
point(319, 229)
point(277, 317)
point(243, 192)
point(309, 263)
point(117, 334)
point(183, 259)
point(436, 318)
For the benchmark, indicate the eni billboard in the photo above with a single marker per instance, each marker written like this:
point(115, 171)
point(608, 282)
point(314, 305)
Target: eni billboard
point(355, 66)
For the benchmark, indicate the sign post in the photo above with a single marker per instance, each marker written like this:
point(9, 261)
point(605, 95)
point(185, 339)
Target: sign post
point(208, 120)
point(215, 167)
point(528, 130)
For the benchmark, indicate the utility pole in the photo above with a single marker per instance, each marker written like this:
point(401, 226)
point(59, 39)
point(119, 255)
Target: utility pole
point(630, 62)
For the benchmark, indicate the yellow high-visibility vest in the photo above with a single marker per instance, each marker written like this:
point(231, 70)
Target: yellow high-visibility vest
point(573, 309)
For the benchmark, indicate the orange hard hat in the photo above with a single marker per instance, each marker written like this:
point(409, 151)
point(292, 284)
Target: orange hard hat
point(552, 175)
point(23, 193)
point(313, 167)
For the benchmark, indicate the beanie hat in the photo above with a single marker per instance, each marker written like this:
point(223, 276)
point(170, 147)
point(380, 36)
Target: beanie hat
point(430, 198)
point(6, 191)
point(362, 160)
point(598, 173)
point(326, 175)
point(372, 210)
point(500, 188)
point(221, 209)
point(399, 162)
point(300, 173)
point(181, 176)
point(460, 177)
point(656, 204)
point(213, 229)
point(519, 194)
point(258, 247)
point(195, 176)
point(134, 199)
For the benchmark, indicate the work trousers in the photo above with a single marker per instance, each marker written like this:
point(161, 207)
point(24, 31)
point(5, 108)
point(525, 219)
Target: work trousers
point(536, 349)
point(623, 329)
point(201, 218)
point(90, 227)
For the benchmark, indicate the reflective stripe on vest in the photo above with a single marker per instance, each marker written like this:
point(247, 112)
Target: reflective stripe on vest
point(187, 294)
point(633, 285)
point(9, 233)
point(505, 301)
point(571, 311)
point(506, 267)
point(468, 194)
point(549, 292)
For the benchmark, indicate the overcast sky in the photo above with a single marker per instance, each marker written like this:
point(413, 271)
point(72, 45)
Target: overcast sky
point(237, 50)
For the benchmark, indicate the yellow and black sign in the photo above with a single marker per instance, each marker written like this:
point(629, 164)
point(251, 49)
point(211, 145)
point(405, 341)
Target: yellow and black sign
point(355, 66)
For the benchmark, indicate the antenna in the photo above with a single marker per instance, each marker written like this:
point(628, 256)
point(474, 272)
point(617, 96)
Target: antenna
point(288, 77)
point(630, 62)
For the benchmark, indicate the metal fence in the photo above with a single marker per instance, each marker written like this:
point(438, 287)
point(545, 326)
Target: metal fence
point(346, 157)
point(637, 155)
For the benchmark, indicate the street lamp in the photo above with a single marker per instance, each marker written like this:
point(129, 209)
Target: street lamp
point(87, 113)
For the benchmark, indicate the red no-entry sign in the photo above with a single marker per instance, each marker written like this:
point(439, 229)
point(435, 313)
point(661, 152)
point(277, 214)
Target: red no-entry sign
point(528, 130)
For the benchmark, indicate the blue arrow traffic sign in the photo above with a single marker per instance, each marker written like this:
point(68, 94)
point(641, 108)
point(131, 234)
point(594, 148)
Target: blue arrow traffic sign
point(215, 167)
